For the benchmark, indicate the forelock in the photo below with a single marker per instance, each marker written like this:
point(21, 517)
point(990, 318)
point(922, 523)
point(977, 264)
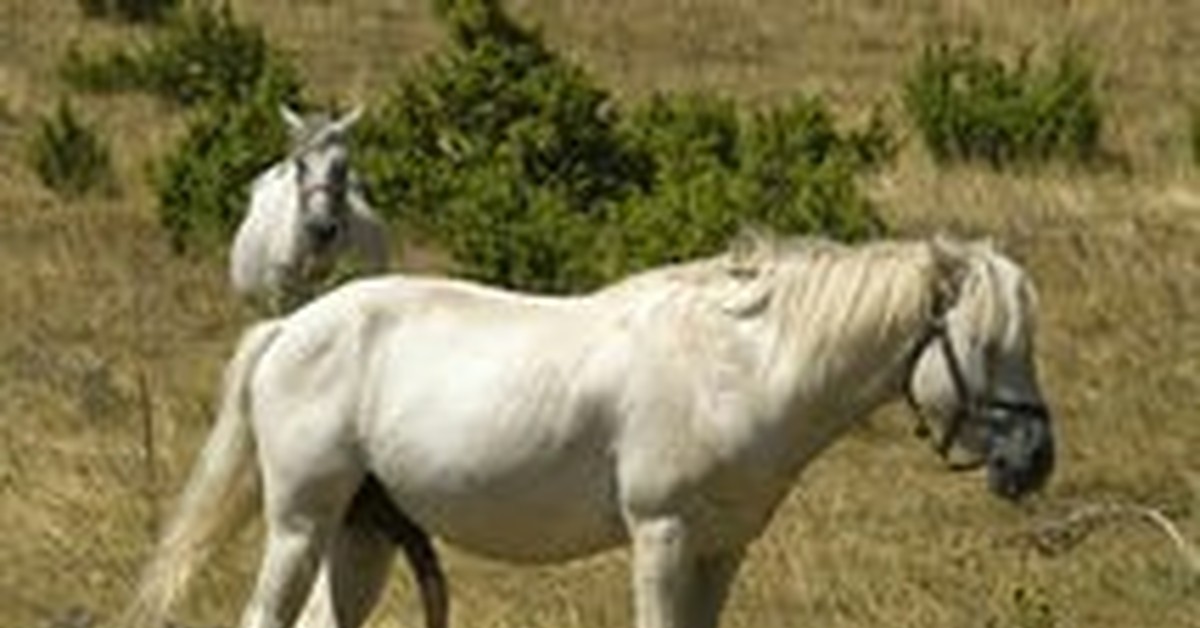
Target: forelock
point(320, 132)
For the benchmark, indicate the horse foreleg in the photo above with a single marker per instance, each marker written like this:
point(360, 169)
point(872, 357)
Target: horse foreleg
point(663, 573)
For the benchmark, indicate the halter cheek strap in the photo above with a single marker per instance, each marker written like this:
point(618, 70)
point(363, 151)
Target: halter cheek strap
point(973, 407)
point(315, 188)
point(936, 332)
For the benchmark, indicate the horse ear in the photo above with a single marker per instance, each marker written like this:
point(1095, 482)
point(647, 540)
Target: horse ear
point(295, 121)
point(951, 261)
point(748, 261)
point(345, 122)
point(748, 252)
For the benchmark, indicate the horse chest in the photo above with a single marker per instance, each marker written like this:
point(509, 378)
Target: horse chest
point(725, 479)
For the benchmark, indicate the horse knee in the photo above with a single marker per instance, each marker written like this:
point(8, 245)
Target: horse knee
point(288, 569)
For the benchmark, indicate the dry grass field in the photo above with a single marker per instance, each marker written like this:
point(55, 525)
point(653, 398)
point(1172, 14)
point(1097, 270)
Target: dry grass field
point(111, 346)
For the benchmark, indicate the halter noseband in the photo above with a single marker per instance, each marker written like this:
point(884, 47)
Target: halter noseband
point(307, 191)
point(973, 407)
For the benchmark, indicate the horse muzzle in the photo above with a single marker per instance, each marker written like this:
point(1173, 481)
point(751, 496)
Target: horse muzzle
point(1020, 455)
point(322, 233)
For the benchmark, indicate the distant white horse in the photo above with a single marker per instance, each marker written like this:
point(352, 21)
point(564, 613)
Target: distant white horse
point(306, 212)
point(670, 411)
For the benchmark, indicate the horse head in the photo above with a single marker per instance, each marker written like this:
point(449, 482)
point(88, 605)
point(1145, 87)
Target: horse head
point(973, 369)
point(321, 164)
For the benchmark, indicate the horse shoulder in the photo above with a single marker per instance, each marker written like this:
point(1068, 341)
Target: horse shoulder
point(691, 400)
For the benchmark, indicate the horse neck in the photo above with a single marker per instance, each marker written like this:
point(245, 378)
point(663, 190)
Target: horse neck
point(843, 339)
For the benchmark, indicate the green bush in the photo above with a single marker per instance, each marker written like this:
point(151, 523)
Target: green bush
point(235, 82)
point(69, 156)
point(507, 230)
point(973, 107)
point(497, 95)
point(717, 171)
point(201, 54)
point(202, 186)
point(528, 174)
point(497, 131)
point(129, 10)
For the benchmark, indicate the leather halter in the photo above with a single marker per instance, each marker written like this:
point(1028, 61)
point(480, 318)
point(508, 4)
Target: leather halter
point(307, 191)
point(972, 406)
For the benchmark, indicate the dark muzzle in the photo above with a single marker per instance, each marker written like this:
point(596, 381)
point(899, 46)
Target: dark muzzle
point(1019, 450)
point(322, 232)
point(1020, 453)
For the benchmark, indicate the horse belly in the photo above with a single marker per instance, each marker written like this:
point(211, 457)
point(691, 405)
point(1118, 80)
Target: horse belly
point(525, 483)
point(538, 513)
point(491, 432)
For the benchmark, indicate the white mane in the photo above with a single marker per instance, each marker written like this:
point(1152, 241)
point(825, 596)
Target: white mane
point(817, 291)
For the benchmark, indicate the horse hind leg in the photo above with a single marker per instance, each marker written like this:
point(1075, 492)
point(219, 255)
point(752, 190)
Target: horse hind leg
point(289, 566)
point(357, 562)
point(374, 509)
point(306, 497)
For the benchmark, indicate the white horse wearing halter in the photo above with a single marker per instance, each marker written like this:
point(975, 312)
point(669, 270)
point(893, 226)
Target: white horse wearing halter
point(306, 214)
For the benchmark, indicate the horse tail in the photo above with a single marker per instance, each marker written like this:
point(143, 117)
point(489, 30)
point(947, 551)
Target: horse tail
point(221, 494)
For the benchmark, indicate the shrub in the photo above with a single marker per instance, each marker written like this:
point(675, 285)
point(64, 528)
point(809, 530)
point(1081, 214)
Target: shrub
point(69, 156)
point(497, 134)
point(716, 172)
point(971, 106)
point(527, 173)
point(129, 10)
point(204, 57)
point(202, 54)
point(685, 134)
point(498, 94)
point(507, 230)
point(202, 186)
